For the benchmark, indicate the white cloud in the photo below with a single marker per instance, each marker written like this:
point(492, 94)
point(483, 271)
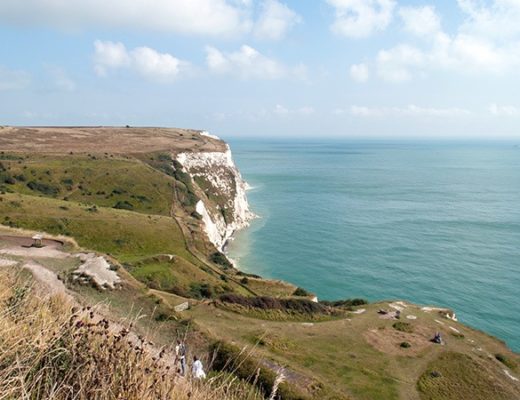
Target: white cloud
point(487, 42)
point(149, 63)
point(205, 17)
point(249, 63)
point(13, 79)
point(156, 66)
point(60, 79)
point(500, 19)
point(408, 111)
point(109, 55)
point(361, 18)
point(302, 111)
point(394, 64)
point(420, 21)
point(359, 72)
point(275, 20)
point(507, 111)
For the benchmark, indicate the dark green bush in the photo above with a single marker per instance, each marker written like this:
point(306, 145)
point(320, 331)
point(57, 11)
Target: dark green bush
point(302, 306)
point(229, 358)
point(508, 362)
point(220, 259)
point(347, 303)
point(124, 205)
point(43, 188)
point(403, 327)
point(201, 290)
point(301, 292)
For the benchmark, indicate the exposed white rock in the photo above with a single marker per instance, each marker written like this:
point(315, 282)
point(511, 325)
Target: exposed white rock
point(206, 133)
point(98, 270)
point(512, 377)
point(7, 263)
point(219, 170)
point(213, 232)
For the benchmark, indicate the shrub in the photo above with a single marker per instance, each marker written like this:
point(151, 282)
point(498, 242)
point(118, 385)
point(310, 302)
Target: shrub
point(52, 350)
point(124, 205)
point(301, 292)
point(220, 259)
point(244, 280)
point(9, 180)
point(508, 362)
point(241, 273)
point(231, 359)
point(403, 327)
point(347, 303)
point(196, 215)
point(201, 290)
point(43, 188)
point(302, 306)
point(405, 345)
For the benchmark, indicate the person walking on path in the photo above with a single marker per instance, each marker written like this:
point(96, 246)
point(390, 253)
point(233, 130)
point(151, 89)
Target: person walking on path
point(180, 352)
point(197, 369)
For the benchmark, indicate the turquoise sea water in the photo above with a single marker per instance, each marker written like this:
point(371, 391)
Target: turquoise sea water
point(430, 222)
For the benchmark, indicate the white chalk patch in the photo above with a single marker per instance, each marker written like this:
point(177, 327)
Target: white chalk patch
point(98, 269)
point(411, 317)
point(514, 378)
point(307, 324)
point(219, 170)
point(7, 263)
point(454, 329)
point(398, 305)
point(44, 252)
point(207, 134)
point(360, 311)
point(439, 322)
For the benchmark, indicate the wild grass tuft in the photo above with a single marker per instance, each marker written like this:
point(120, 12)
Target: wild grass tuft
point(52, 349)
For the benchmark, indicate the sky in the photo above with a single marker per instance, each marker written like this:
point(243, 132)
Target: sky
point(265, 68)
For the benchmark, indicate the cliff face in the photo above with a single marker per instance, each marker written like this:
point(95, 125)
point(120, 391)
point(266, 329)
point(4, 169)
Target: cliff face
point(222, 200)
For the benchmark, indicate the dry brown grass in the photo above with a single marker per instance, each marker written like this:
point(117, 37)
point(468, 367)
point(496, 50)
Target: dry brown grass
point(50, 349)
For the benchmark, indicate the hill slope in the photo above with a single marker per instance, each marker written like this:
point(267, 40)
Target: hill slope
point(158, 204)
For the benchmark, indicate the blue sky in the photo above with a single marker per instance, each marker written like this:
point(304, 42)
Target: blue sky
point(308, 68)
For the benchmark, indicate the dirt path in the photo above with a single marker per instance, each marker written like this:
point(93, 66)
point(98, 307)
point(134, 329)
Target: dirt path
point(47, 278)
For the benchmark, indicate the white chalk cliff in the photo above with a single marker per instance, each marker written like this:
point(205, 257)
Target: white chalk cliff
point(224, 208)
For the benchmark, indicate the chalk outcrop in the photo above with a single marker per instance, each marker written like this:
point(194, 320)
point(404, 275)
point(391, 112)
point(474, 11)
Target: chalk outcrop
point(223, 205)
point(97, 270)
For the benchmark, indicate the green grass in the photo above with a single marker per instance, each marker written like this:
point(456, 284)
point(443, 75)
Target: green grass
point(103, 180)
point(456, 376)
point(126, 235)
point(507, 361)
point(403, 326)
point(337, 357)
point(177, 276)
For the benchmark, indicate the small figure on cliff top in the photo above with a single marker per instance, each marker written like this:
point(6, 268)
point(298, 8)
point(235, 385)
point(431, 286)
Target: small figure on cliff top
point(437, 338)
point(180, 352)
point(197, 369)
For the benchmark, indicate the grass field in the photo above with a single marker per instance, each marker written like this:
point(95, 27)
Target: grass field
point(360, 356)
point(102, 180)
point(128, 236)
point(133, 208)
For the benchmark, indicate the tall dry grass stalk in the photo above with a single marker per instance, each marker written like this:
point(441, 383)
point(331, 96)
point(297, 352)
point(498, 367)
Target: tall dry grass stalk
point(50, 349)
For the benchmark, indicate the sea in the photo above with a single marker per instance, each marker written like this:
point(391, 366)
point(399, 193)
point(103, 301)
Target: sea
point(431, 222)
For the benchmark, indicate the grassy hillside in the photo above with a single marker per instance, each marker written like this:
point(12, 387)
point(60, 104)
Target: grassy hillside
point(104, 180)
point(129, 203)
point(62, 352)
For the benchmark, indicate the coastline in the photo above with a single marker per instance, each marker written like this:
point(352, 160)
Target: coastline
point(354, 267)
